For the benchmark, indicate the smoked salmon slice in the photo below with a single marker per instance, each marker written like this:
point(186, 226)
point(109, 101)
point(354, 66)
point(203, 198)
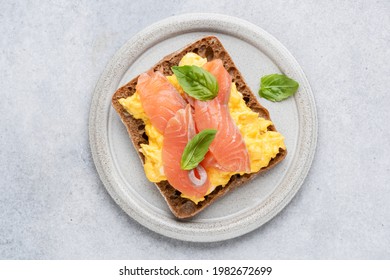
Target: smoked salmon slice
point(216, 68)
point(179, 130)
point(159, 98)
point(228, 148)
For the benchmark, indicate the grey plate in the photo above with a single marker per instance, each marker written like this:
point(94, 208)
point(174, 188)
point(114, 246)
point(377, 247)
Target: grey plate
point(256, 53)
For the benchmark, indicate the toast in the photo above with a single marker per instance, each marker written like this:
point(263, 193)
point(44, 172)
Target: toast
point(211, 48)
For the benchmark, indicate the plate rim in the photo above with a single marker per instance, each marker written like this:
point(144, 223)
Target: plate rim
point(115, 70)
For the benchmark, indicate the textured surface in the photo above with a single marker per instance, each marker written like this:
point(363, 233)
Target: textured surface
point(52, 203)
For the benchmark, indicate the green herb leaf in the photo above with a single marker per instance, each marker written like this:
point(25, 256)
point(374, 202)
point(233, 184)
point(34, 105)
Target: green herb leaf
point(196, 82)
point(277, 87)
point(196, 149)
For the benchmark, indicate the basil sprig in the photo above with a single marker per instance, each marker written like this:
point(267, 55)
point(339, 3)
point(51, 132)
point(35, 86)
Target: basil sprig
point(196, 82)
point(196, 149)
point(277, 87)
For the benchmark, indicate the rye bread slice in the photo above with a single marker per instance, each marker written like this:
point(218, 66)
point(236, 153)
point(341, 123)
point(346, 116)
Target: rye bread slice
point(211, 48)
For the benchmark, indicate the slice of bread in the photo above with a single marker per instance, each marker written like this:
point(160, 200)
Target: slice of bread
point(211, 48)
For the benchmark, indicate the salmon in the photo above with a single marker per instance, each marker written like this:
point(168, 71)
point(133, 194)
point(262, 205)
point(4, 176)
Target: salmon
point(228, 151)
point(179, 130)
point(159, 98)
point(179, 119)
point(216, 68)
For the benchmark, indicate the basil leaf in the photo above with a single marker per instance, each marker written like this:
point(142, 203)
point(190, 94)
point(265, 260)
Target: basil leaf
point(196, 82)
point(277, 87)
point(196, 149)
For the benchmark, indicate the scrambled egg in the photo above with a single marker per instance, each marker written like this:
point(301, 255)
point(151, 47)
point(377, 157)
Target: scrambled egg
point(152, 151)
point(262, 145)
point(192, 59)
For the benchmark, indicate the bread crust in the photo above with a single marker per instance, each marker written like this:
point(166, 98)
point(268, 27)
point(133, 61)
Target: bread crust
point(211, 48)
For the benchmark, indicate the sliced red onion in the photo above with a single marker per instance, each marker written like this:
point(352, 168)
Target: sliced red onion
point(202, 174)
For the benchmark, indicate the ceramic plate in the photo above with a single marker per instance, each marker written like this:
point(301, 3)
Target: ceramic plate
point(256, 53)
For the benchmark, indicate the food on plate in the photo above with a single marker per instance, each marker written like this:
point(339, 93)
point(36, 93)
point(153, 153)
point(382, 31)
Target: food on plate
point(197, 127)
point(277, 87)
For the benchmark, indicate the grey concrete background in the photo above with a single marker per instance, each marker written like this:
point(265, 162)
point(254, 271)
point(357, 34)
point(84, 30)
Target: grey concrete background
point(52, 203)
